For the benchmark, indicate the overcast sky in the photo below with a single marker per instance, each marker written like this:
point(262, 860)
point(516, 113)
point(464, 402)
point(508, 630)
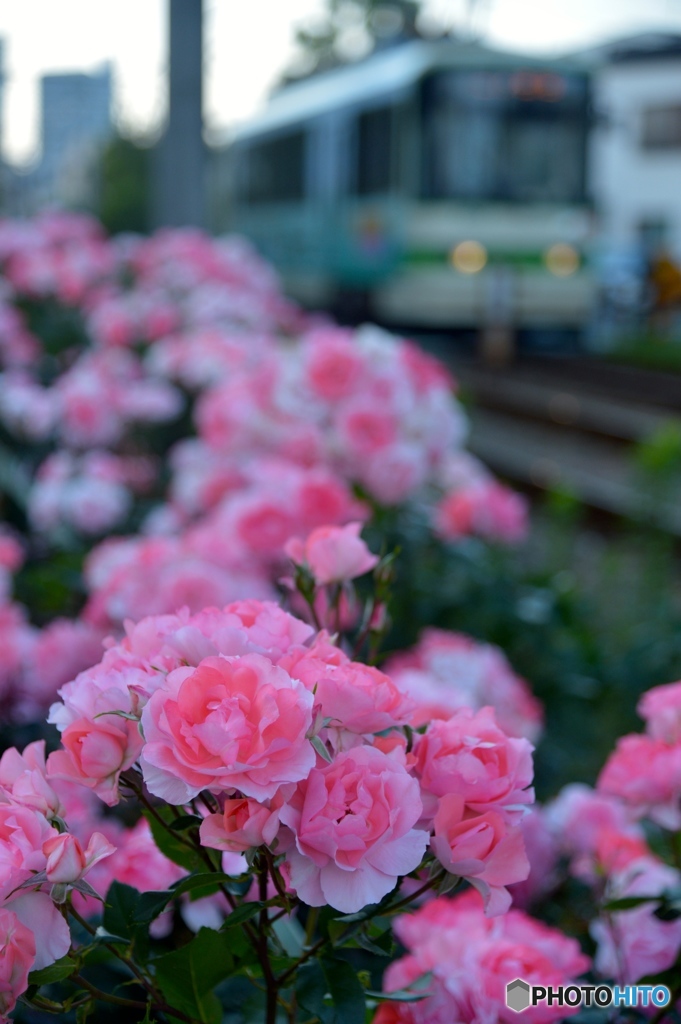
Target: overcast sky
point(248, 44)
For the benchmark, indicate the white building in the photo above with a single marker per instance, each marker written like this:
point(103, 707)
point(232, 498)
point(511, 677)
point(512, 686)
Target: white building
point(636, 143)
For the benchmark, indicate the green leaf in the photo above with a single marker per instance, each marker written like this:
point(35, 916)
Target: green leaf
point(120, 910)
point(188, 976)
point(320, 747)
point(667, 913)
point(102, 935)
point(57, 971)
point(203, 883)
point(186, 821)
point(121, 916)
point(365, 942)
point(119, 714)
point(172, 846)
point(311, 989)
point(417, 990)
point(628, 902)
point(243, 913)
point(147, 1019)
point(401, 996)
point(151, 904)
point(347, 995)
point(85, 1011)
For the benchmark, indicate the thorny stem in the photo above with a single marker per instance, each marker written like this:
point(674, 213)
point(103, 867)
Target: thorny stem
point(276, 877)
point(312, 950)
point(270, 979)
point(156, 996)
point(107, 997)
point(129, 963)
point(211, 807)
point(50, 1006)
point(135, 1004)
point(259, 942)
point(365, 629)
point(430, 884)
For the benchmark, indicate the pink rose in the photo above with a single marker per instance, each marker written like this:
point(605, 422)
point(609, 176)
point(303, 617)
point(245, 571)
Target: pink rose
point(470, 755)
point(472, 958)
point(67, 861)
point(230, 724)
point(481, 848)
point(243, 825)
point(484, 507)
point(24, 777)
point(366, 428)
point(23, 832)
point(661, 709)
point(354, 696)
point(542, 852)
point(353, 823)
point(61, 650)
point(333, 363)
point(447, 671)
point(333, 554)
point(595, 830)
point(455, 515)
point(646, 774)
point(17, 956)
point(635, 943)
point(95, 752)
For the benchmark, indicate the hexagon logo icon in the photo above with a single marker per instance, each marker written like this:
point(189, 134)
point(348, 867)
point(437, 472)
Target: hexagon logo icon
point(518, 995)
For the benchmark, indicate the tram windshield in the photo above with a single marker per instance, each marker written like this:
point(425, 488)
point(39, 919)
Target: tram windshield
point(514, 136)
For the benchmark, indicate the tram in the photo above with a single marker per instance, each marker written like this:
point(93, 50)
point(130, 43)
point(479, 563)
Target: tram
point(436, 184)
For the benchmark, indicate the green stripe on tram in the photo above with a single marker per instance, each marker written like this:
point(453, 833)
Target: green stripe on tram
point(507, 257)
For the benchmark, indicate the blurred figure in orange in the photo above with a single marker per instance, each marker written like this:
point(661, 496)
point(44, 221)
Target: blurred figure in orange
point(664, 283)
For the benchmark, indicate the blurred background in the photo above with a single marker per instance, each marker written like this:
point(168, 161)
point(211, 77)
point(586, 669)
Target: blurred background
point(485, 168)
point(497, 179)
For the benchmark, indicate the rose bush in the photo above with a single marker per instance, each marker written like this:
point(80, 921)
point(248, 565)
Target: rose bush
point(247, 782)
point(210, 723)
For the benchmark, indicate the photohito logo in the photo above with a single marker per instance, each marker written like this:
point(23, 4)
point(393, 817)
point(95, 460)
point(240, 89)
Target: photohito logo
point(520, 995)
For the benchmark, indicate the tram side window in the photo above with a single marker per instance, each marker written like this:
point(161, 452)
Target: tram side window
point(374, 152)
point(661, 127)
point(275, 170)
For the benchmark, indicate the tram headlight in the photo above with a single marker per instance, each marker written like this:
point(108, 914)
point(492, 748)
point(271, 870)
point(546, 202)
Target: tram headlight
point(469, 257)
point(561, 259)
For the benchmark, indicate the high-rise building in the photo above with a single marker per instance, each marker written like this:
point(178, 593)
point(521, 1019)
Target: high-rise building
point(75, 124)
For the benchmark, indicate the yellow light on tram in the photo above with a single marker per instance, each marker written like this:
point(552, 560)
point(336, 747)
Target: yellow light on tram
point(469, 257)
point(561, 259)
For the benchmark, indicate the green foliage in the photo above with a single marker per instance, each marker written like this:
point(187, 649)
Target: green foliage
point(124, 196)
point(650, 352)
point(350, 28)
point(58, 971)
point(589, 638)
point(660, 455)
point(175, 846)
point(188, 976)
point(347, 994)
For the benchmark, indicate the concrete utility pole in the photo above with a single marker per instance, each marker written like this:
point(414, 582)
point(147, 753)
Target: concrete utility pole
point(179, 178)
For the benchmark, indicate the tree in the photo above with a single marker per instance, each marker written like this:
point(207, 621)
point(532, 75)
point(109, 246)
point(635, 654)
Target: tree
point(351, 29)
point(124, 187)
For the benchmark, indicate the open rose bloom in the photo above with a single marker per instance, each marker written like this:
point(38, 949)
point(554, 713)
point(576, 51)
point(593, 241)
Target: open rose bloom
point(299, 749)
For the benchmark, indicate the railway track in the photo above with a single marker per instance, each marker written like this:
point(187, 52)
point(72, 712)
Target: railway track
point(574, 423)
